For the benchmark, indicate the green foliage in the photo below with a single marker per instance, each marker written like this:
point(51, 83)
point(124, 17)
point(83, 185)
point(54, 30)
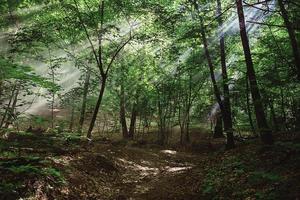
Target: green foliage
point(7, 154)
point(217, 178)
point(71, 138)
point(10, 70)
point(56, 174)
point(25, 170)
point(38, 121)
point(35, 167)
point(260, 177)
point(8, 187)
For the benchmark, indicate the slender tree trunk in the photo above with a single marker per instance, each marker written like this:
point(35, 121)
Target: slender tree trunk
point(292, 36)
point(12, 110)
point(97, 107)
point(72, 119)
point(218, 129)
point(123, 113)
point(8, 105)
point(187, 134)
point(132, 121)
point(161, 136)
point(84, 100)
point(265, 132)
point(103, 127)
point(181, 115)
point(273, 115)
point(230, 139)
point(140, 124)
point(52, 109)
point(249, 108)
point(181, 125)
point(227, 118)
point(211, 67)
point(283, 113)
point(188, 109)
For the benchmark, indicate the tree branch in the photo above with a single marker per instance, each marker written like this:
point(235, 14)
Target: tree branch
point(274, 25)
point(117, 52)
point(100, 37)
point(87, 35)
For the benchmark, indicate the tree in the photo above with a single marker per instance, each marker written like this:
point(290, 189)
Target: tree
point(261, 120)
point(225, 114)
point(226, 102)
point(98, 55)
point(292, 37)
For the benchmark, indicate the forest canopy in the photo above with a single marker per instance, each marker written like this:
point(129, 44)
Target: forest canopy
point(170, 73)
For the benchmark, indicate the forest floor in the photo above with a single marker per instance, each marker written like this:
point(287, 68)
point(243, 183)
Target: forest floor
point(52, 166)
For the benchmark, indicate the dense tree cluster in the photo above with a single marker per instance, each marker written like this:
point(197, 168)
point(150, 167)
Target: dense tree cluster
point(144, 66)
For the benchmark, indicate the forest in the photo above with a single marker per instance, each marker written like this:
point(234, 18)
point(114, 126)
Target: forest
point(150, 99)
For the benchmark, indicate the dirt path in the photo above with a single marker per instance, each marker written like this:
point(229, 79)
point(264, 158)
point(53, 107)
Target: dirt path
point(113, 172)
point(50, 167)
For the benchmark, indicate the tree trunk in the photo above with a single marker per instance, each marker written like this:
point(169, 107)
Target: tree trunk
point(181, 125)
point(123, 113)
point(52, 110)
point(140, 124)
point(265, 132)
point(161, 136)
point(84, 100)
point(97, 107)
point(292, 36)
point(230, 139)
point(227, 118)
point(249, 108)
point(12, 110)
point(188, 109)
point(72, 119)
point(187, 131)
point(181, 122)
point(218, 129)
point(8, 106)
point(132, 121)
point(273, 115)
point(283, 113)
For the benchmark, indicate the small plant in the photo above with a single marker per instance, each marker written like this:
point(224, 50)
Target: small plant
point(54, 173)
point(8, 154)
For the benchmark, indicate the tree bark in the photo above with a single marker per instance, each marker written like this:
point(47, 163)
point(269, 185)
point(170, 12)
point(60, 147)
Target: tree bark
point(84, 100)
point(8, 106)
point(97, 107)
point(98, 55)
point(283, 113)
point(227, 118)
point(161, 134)
point(123, 113)
point(265, 132)
point(249, 108)
point(230, 139)
point(132, 121)
point(12, 110)
point(218, 129)
point(273, 115)
point(292, 36)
